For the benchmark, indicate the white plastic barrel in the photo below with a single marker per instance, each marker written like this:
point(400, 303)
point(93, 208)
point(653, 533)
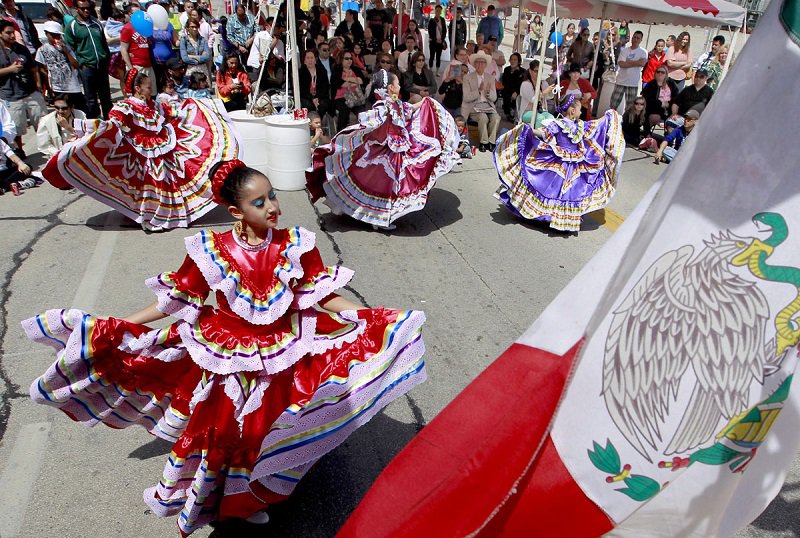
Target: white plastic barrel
point(253, 133)
point(288, 151)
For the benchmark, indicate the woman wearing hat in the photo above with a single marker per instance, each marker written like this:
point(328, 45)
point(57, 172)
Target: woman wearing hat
point(149, 162)
point(61, 65)
point(562, 171)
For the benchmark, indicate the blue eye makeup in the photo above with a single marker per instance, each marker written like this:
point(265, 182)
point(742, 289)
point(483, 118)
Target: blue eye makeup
point(272, 195)
point(258, 203)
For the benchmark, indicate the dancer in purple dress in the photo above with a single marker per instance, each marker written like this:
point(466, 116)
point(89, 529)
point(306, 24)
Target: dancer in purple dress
point(564, 170)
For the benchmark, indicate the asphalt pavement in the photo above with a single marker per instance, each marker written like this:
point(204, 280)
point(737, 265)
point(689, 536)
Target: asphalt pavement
point(480, 274)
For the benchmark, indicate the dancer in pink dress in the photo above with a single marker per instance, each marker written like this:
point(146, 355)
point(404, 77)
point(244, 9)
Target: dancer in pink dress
point(383, 167)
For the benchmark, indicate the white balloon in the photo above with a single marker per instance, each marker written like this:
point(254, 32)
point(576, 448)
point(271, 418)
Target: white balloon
point(159, 15)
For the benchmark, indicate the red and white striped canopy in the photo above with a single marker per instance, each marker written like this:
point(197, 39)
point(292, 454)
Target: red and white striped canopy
point(680, 12)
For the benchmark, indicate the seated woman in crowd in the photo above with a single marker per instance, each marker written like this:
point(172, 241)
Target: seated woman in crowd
point(580, 87)
point(715, 67)
point(347, 88)
point(634, 122)
point(419, 81)
point(527, 94)
point(512, 78)
point(57, 128)
point(452, 86)
point(315, 89)
point(233, 84)
point(358, 58)
point(274, 74)
point(337, 49)
point(658, 96)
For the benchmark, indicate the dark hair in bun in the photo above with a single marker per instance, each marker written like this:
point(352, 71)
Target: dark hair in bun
point(381, 79)
point(227, 180)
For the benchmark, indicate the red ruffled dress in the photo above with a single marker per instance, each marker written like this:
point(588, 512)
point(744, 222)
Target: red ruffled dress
point(383, 167)
point(253, 391)
point(149, 161)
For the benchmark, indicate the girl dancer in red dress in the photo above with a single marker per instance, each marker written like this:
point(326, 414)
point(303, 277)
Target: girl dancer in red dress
point(149, 161)
point(252, 391)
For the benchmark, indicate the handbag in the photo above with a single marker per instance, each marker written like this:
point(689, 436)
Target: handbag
point(610, 74)
point(355, 97)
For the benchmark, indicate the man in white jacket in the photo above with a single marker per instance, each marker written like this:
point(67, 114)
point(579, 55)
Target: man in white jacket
point(57, 128)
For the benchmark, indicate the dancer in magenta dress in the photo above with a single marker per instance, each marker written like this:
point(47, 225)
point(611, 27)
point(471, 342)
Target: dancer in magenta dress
point(252, 391)
point(564, 170)
point(383, 167)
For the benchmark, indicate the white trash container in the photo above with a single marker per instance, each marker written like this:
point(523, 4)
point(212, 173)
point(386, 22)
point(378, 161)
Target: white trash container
point(253, 133)
point(288, 151)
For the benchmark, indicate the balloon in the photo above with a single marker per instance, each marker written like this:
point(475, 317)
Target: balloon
point(557, 38)
point(159, 15)
point(142, 23)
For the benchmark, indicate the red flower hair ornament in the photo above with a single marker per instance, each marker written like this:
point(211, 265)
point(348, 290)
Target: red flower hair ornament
point(219, 177)
point(130, 78)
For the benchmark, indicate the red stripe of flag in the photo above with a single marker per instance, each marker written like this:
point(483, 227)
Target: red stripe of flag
point(460, 468)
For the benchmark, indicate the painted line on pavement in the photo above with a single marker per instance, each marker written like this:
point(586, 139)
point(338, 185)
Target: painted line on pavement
point(608, 218)
point(25, 460)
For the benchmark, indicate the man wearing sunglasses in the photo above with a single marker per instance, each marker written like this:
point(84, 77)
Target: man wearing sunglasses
point(56, 128)
point(84, 35)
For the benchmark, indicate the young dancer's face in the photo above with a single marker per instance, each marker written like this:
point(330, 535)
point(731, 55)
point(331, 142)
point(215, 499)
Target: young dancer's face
point(259, 207)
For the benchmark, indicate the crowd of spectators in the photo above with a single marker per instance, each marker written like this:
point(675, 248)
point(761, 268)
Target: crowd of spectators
point(201, 56)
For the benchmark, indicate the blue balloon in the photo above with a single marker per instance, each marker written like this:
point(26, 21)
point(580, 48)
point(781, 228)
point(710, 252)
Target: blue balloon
point(557, 38)
point(142, 23)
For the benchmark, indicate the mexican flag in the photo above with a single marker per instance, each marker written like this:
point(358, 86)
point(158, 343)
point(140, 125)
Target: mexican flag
point(655, 395)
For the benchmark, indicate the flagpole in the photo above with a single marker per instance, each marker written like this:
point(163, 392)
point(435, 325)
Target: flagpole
point(599, 43)
point(253, 95)
point(400, 14)
point(730, 53)
point(294, 56)
point(453, 24)
point(538, 86)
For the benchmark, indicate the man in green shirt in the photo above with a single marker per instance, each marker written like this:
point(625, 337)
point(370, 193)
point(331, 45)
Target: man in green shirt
point(84, 35)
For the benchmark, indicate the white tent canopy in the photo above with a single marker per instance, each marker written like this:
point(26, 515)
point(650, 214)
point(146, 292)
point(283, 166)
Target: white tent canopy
point(702, 12)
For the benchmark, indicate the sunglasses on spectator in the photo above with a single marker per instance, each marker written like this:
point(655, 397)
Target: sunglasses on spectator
point(639, 103)
point(61, 107)
point(347, 58)
point(420, 59)
point(385, 61)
